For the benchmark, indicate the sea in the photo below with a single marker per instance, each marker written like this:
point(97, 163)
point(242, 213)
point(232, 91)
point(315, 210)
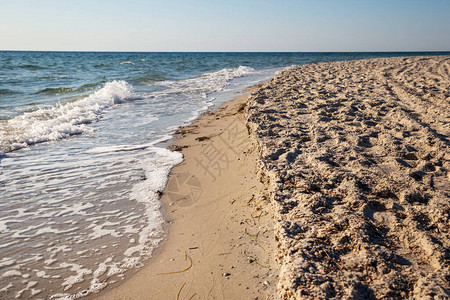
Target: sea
point(84, 153)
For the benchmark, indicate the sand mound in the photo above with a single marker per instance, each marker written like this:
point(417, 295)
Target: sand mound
point(357, 155)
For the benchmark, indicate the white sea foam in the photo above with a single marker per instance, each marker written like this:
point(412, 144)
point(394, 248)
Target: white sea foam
point(3, 226)
point(122, 148)
point(11, 273)
point(62, 120)
point(157, 169)
point(100, 230)
point(6, 261)
point(157, 164)
point(79, 271)
point(204, 84)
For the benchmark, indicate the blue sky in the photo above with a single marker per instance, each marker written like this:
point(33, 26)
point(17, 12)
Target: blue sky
point(229, 25)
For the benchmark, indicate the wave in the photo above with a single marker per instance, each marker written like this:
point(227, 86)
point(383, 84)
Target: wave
point(193, 92)
point(57, 91)
point(91, 86)
point(8, 92)
point(67, 90)
point(204, 84)
point(151, 78)
point(128, 148)
point(62, 120)
point(31, 67)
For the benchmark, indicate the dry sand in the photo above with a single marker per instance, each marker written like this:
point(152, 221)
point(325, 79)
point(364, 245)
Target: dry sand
point(357, 157)
point(336, 171)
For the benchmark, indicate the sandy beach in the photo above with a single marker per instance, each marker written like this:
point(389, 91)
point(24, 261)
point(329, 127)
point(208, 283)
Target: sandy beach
point(329, 181)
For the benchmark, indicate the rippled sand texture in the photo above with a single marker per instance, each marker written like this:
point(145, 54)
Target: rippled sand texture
point(357, 154)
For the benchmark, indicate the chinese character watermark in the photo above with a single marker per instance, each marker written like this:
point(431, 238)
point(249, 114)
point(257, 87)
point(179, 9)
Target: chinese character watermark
point(184, 189)
point(213, 159)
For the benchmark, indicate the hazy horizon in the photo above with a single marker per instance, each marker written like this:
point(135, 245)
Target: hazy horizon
point(232, 26)
point(306, 52)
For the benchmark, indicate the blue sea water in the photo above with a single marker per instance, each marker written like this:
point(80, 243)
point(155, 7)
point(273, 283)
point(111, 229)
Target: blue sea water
point(82, 155)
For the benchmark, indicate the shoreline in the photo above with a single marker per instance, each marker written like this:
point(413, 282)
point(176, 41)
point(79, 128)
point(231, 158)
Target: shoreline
point(340, 175)
point(219, 242)
point(355, 154)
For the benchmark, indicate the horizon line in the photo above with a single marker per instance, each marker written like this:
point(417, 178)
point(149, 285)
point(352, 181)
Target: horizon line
point(131, 51)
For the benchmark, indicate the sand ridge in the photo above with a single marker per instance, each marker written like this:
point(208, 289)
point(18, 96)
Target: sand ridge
point(357, 157)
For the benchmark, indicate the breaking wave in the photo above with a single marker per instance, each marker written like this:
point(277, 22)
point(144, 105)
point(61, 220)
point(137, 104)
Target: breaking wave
point(62, 120)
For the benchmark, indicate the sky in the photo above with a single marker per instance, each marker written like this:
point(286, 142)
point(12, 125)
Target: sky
point(227, 25)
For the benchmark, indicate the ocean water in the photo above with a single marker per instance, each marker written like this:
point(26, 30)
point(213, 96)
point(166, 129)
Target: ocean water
point(82, 156)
